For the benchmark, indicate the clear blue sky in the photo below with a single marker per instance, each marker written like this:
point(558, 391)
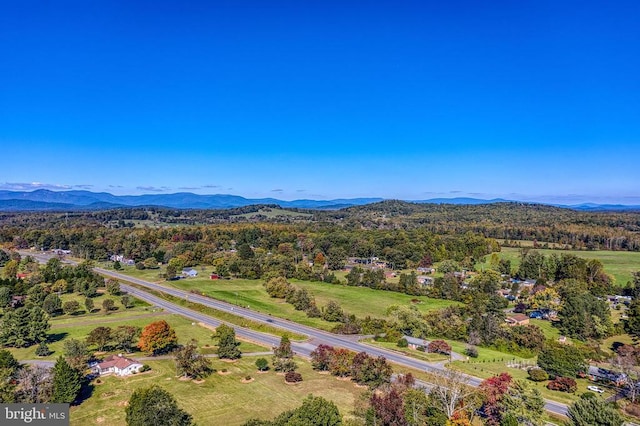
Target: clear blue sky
point(536, 100)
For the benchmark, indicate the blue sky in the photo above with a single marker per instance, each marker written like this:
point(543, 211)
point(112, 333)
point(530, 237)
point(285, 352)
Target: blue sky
point(531, 100)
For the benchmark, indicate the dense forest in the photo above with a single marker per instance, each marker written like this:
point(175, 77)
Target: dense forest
point(503, 221)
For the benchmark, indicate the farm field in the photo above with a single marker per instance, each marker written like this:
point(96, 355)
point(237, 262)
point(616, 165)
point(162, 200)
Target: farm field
point(221, 399)
point(619, 264)
point(359, 301)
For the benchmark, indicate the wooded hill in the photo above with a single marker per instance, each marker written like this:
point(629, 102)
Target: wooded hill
point(506, 221)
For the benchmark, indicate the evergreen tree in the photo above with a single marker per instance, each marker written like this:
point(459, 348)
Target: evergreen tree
point(43, 349)
point(155, 406)
point(227, 343)
point(67, 382)
point(88, 304)
point(283, 356)
point(24, 326)
point(593, 412)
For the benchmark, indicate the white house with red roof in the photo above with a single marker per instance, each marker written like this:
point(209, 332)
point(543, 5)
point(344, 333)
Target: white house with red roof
point(118, 365)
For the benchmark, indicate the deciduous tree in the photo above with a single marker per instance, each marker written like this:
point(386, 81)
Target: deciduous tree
point(100, 336)
point(157, 337)
point(191, 363)
point(227, 343)
point(155, 406)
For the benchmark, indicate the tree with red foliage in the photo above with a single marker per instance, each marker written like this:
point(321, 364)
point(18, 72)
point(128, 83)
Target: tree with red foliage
point(493, 390)
point(157, 337)
point(388, 408)
point(373, 372)
point(340, 364)
point(563, 384)
point(321, 357)
point(439, 346)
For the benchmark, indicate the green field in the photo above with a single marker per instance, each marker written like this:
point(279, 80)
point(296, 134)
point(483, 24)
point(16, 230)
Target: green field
point(271, 213)
point(359, 301)
point(619, 264)
point(221, 399)
point(78, 327)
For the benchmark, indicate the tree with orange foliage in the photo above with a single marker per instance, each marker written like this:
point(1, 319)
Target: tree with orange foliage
point(157, 337)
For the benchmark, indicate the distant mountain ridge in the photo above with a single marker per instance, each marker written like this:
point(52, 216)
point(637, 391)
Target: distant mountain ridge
point(46, 200)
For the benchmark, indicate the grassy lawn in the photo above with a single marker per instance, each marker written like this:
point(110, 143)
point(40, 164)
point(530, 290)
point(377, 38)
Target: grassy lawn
point(619, 264)
point(354, 300)
point(489, 369)
point(221, 399)
point(185, 330)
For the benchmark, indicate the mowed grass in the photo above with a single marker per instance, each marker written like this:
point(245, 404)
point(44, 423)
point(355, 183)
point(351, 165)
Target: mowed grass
point(353, 300)
point(359, 301)
point(65, 328)
point(221, 399)
point(424, 356)
point(619, 264)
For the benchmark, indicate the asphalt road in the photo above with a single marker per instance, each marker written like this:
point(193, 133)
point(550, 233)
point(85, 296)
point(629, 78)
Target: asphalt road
point(301, 348)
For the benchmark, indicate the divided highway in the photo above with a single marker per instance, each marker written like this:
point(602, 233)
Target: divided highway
point(302, 348)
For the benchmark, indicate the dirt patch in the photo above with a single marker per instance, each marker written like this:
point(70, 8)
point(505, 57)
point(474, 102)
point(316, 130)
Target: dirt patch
point(184, 378)
point(224, 373)
point(198, 382)
point(108, 394)
point(343, 379)
point(100, 420)
point(291, 383)
point(262, 372)
point(326, 373)
point(247, 381)
point(123, 403)
point(229, 361)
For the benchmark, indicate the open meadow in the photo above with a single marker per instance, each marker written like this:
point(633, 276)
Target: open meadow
point(360, 301)
point(619, 264)
point(79, 326)
point(221, 399)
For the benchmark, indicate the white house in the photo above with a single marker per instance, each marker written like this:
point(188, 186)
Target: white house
point(189, 272)
point(118, 365)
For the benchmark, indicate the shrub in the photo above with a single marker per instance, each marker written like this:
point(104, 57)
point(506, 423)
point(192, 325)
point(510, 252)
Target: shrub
point(262, 364)
point(248, 378)
point(224, 370)
point(145, 367)
point(43, 349)
point(471, 351)
point(402, 343)
point(440, 347)
point(538, 375)
point(421, 348)
point(563, 384)
point(292, 377)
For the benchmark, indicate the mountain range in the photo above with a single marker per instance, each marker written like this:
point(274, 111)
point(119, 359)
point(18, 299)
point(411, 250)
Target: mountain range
point(46, 200)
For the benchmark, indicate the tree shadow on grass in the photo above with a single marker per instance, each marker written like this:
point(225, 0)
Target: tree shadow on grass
point(85, 391)
point(56, 337)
